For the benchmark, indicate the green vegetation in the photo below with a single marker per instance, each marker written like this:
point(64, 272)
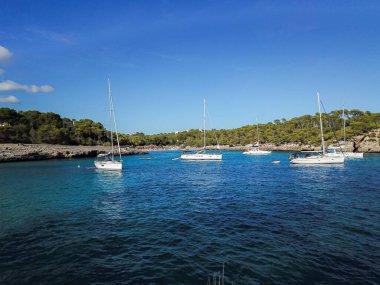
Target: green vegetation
point(38, 127)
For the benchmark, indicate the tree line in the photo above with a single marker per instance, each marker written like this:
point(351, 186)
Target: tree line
point(38, 127)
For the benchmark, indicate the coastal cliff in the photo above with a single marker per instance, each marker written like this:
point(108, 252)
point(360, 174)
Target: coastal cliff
point(26, 152)
point(368, 143)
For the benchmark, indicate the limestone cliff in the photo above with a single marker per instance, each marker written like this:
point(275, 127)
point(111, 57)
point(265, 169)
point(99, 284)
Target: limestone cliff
point(368, 143)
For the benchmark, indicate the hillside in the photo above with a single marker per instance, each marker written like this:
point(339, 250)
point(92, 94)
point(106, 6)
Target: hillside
point(37, 127)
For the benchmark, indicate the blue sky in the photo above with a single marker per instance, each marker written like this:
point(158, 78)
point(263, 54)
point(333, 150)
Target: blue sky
point(249, 59)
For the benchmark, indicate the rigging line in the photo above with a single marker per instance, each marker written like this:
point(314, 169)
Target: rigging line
point(212, 128)
point(113, 119)
point(332, 126)
point(116, 132)
point(110, 114)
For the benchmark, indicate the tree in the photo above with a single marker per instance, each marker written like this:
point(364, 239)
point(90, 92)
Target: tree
point(37, 127)
point(8, 116)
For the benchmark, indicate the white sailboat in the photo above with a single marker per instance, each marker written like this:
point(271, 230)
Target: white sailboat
point(318, 157)
point(347, 154)
point(202, 155)
point(107, 161)
point(255, 150)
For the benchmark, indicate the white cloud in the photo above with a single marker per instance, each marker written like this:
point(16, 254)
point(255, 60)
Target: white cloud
point(9, 99)
point(9, 85)
point(5, 54)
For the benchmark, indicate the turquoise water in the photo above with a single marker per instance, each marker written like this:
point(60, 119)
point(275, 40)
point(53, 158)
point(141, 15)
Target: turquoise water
point(173, 222)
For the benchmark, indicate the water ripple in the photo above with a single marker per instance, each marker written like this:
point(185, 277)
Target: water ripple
point(169, 222)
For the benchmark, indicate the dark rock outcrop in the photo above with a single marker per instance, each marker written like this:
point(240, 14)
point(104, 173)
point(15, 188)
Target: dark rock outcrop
point(26, 152)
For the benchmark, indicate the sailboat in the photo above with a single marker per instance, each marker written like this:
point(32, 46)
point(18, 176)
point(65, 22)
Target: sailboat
point(341, 150)
point(255, 150)
point(318, 157)
point(107, 161)
point(202, 154)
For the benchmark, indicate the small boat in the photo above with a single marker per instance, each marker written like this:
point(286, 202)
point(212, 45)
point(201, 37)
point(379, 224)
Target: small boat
point(202, 155)
point(332, 152)
point(255, 149)
point(276, 162)
point(347, 154)
point(339, 151)
point(107, 161)
point(317, 157)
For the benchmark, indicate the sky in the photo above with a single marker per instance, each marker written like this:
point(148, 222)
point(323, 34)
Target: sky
point(251, 60)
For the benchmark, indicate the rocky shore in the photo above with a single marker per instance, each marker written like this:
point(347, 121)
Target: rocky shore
point(26, 152)
point(368, 143)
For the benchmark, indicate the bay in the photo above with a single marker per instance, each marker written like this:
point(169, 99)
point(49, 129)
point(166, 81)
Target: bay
point(161, 221)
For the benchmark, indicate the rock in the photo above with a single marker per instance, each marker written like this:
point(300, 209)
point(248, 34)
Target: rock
point(20, 152)
point(369, 142)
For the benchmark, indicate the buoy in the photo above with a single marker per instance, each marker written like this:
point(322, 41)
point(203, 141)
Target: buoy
point(78, 166)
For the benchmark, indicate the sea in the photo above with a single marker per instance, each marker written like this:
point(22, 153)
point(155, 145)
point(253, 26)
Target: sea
point(243, 220)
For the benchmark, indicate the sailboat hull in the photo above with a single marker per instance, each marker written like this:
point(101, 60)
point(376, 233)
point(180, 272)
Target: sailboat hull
point(318, 160)
point(109, 165)
point(201, 156)
point(257, 152)
point(353, 154)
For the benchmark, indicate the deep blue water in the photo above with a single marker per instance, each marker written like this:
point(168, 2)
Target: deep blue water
point(173, 222)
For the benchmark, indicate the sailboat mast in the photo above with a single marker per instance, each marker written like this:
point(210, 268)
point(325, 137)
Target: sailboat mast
point(110, 103)
point(114, 121)
point(204, 124)
point(320, 123)
point(344, 127)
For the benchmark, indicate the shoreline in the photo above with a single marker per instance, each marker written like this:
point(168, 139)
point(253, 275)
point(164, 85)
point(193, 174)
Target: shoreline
point(31, 152)
point(271, 147)
point(367, 143)
point(13, 152)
